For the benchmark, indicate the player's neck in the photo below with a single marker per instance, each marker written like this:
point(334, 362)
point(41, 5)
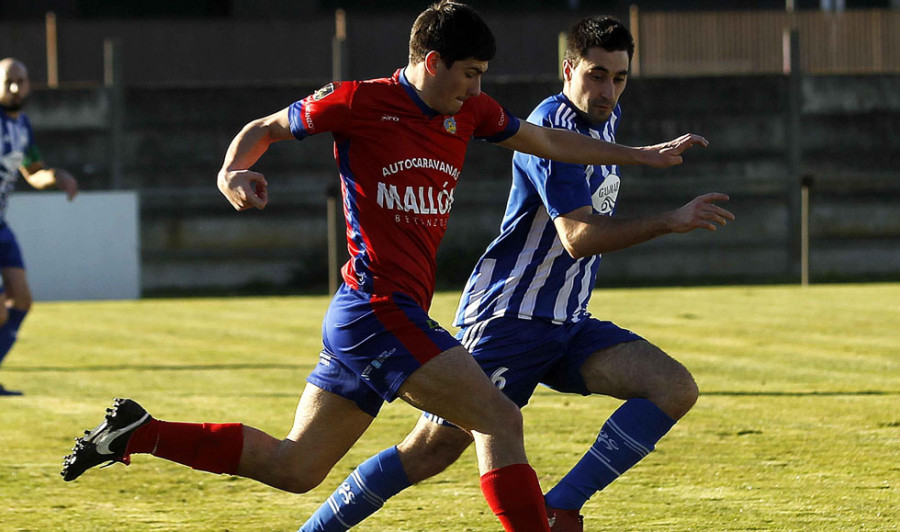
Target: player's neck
point(417, 77)
point(415, 74)
point(10, 114)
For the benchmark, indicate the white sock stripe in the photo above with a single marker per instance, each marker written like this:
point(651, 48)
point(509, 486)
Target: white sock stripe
point(337, 515)
point(602, 459)
point(336, 511)
point(633, 444)
point(368, 494)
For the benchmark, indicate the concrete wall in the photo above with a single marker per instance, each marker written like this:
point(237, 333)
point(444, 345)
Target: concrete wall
point(84, 249)
point(175, 138)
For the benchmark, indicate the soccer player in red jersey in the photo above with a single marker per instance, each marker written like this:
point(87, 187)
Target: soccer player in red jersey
point(524, 312)
point(399, 144)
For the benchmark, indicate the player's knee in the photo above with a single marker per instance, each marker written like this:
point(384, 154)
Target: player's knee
point(431, 461)
point(291, 475)
point(508, 420)
point(426, 453)
point(682, 394)
point(299, 481)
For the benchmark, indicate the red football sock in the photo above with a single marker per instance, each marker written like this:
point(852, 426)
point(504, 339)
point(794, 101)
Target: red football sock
point(513, 493)
point(213, 447)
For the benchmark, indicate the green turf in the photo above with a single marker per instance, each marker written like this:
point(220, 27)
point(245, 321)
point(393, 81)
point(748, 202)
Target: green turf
point(797, 427)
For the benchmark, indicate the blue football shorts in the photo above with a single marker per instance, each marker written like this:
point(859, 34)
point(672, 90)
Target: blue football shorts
point(10, 253)
point(372, 343)
point(518, 354)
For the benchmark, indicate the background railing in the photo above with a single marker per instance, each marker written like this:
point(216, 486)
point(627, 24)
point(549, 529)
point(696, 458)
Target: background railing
point(752, 42)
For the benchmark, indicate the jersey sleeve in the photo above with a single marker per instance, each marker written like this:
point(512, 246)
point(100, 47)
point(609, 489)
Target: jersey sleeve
point(496, 124)
point(32, 153)
point(563, 187)
point(327, 109)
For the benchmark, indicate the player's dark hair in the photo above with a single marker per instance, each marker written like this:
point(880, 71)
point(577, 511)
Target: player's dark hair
point(598, 32)
point(453, 30)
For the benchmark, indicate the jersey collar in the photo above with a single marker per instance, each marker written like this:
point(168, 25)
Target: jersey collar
point(584, 122)
point(414, 95)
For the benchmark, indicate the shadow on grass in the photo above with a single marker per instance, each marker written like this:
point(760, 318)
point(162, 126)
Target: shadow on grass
point(801, 394)
point(151, 367)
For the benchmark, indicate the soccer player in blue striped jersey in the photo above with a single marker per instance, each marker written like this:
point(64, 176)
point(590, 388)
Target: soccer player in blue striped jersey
point(18, 155)
point(524, 312)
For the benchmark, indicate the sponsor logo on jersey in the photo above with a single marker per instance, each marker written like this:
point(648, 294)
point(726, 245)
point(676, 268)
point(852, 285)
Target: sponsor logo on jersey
point(604, 198)
point(421, 162)
point(416, 200)
point(450, 125)
point(325, 91)
point(390, 118)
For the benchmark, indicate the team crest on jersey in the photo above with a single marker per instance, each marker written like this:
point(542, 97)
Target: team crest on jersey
point(450, 125)
point(325, 91)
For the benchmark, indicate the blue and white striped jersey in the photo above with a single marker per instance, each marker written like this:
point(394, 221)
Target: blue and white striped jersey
point(525, 272)
point(17, 149)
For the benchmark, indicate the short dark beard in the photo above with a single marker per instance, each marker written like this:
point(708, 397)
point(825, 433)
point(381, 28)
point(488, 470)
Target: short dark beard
point(14, 108)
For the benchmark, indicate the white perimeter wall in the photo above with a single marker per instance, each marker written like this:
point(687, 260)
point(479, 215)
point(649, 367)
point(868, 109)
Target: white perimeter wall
point(85, 249)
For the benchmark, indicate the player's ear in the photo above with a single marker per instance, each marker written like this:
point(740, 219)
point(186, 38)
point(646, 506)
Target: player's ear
point(568, 69)
point(432, 59)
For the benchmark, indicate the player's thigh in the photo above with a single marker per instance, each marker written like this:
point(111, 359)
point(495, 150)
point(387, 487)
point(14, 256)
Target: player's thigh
point(430, 448)
point(632, 369)
point(453, 386)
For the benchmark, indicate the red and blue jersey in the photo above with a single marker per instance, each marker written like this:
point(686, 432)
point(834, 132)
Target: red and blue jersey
point(399, 162)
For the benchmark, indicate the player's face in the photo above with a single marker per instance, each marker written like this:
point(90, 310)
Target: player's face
point(453, 86)
point(596, 82)
point(14, 86)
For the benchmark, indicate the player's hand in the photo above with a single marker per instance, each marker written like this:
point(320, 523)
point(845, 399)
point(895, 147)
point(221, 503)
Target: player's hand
point(244, 189)
point(669, 153)
point(67, 184)
point(701, 213)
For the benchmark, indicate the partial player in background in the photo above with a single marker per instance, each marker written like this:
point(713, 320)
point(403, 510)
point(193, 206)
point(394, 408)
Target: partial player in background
point(399, 144)
point(19, 155)
point(524, 311)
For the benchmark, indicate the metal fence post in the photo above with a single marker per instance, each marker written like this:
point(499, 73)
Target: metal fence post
point(52, 43)
point(794, 149)
point(113, 81)
point(334, 206)
point(806, 183)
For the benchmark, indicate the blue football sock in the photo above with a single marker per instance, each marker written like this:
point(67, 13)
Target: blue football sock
point(361, 494)
point(629, 435)
point(10, 330)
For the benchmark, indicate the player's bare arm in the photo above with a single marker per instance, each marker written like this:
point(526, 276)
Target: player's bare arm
point(42, 178)
point(567, 146)
point(584, 234)
point(242, 187)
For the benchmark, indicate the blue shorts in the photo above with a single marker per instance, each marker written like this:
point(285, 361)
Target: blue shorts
point(372, 343)
point(518, 354)
point(10, 253)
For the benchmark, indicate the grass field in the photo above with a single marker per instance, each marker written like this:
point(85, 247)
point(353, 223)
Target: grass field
point(797, 427)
